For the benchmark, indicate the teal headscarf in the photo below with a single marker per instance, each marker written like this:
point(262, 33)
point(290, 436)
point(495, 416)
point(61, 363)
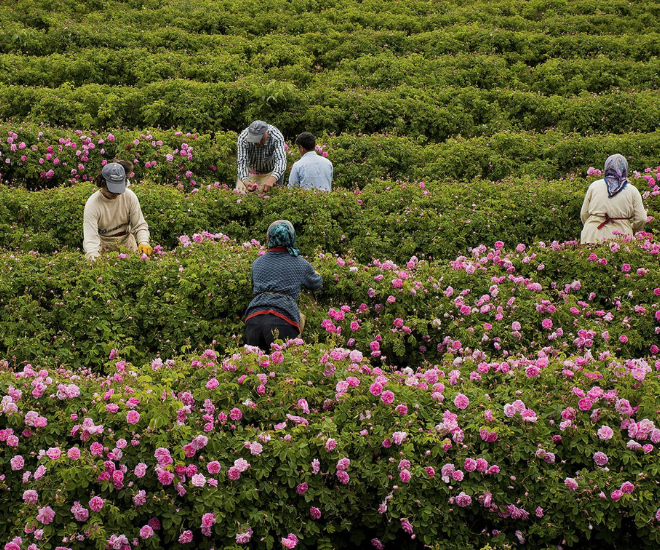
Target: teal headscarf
point(282, 234)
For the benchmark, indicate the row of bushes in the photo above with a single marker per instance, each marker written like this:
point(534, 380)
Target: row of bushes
point(433, 113)
point(386, 219)
point(61, 309)
point(313, 447)
point(292, 62)
point(37, 156)
point(333, 29)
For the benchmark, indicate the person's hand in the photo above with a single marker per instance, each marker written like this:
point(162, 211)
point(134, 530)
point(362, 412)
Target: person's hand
point(145, 249)
point(243, 186)
point(269, 183)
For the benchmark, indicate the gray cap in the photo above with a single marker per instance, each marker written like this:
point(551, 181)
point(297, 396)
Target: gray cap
point(115, 177)
point(256, 131)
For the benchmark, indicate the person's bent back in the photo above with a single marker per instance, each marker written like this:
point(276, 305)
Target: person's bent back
point(612, 206)
point(312, 171)
point(277, 278)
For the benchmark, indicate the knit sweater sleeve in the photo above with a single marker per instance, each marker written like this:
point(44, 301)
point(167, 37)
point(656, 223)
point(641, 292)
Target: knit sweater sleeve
point(139, 226)
point(91, 239)
point(312, 279)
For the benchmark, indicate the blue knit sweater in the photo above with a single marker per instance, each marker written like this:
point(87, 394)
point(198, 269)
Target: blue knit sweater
point(276, 281)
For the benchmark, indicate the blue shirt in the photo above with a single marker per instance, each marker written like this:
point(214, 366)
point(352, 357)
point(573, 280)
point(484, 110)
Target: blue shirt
point(276, 281)
point(312, 171)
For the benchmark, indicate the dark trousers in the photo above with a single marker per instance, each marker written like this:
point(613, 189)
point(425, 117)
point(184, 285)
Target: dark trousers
point(259, 330)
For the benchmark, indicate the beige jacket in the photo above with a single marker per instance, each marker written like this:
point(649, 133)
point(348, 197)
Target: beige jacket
point(105, 217)
point(625, 204)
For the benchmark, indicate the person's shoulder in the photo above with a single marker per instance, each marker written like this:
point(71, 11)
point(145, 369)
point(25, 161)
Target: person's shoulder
point(274, 132)
point(129, 195)
point(243, 136)
point(597, 184)
point(93, 198)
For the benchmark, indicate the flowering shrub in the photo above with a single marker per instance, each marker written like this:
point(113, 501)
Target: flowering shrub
point(412, 218)
point(295, 446)
point(497, 300)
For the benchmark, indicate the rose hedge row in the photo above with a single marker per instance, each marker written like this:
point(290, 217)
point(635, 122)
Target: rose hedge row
point(435, 113)
point(436, 220)
point(599, 300)
point(313, 447)
point(137, 66)
point(37, 156)
point(530, 34)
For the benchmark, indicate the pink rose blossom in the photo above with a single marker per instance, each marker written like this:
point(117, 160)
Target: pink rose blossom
point(96, 504)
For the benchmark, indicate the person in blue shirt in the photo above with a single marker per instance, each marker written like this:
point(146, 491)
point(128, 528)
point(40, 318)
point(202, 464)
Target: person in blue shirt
point(312, 171)
point(277, 277)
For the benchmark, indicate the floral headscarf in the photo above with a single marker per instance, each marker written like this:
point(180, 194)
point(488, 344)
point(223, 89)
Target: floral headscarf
point(282, 234)
point(616, 174)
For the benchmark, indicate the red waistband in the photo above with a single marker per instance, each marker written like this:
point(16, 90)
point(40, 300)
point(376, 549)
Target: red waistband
point(609, 220)
point(277, 314)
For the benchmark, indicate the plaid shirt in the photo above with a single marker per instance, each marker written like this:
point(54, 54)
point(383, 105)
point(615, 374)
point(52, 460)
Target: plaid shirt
point(270, 158)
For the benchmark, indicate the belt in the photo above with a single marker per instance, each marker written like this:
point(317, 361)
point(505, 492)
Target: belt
point(609, 220)
point(122, 234)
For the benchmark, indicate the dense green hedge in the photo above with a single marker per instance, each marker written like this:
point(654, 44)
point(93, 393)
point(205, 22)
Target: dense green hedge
point(436, 112)
point(138, 67)
point(61, 308)
point(386, 219)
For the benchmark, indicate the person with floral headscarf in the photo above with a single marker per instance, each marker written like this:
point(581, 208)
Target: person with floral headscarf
point(612, 205)
point(277, 278)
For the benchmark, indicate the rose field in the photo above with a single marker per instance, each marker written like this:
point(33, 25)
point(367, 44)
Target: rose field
point(469, 376)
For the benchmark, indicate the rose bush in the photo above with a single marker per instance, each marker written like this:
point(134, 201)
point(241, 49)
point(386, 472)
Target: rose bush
point(412, 218)
point(63, 309)
point(298, 444)
point(38, 156)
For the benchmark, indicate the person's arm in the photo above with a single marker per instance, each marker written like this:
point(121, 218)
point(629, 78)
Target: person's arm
point(91, 238)
point(639, 213)
point(584, 213)
point(139, 226)
point(312, 280)
point(242, 160)
point(280, 159)
point(332, 174)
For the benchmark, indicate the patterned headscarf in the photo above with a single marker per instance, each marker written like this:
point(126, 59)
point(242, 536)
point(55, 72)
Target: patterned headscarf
point(616, 174)
point(281, 233)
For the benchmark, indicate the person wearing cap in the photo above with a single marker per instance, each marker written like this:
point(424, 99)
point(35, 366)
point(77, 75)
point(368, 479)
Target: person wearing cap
point(277, 278)
point(261, 158)
point(312, 171)
point(113, 218)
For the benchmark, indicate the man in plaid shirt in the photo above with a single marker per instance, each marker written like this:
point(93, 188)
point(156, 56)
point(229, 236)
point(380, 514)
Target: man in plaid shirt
point(261, 158)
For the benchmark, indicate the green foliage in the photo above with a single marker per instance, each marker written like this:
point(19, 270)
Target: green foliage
point(294, 417)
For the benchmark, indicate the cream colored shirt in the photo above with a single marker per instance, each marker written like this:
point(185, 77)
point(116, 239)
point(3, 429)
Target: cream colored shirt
point(625, 204)
point(121, 214)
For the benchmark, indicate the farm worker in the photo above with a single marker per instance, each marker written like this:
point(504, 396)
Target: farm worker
point(261, 159)
point(312, 171)
point(277, 277)
point(611, 204)
point(113, 217)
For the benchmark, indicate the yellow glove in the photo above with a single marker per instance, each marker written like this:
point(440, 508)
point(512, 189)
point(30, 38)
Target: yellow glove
point(145, 249)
